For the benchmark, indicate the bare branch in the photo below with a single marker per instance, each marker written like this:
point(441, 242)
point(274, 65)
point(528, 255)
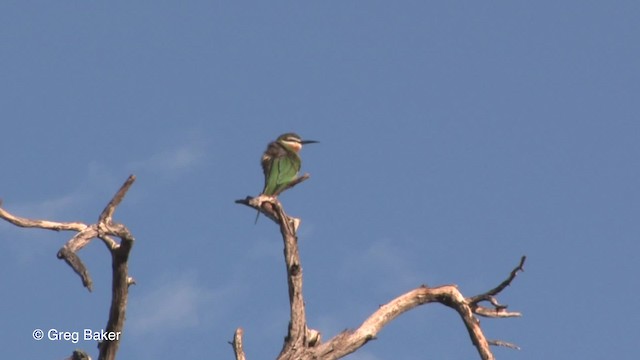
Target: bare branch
point(107, 213)
point(237, 344)
point(495, 313)
point(77, 265)
point(265, 203)
point(504, 344)
point(79, 355)
point(449, 295)
point(67, 252)
point(40, 224)
point(473, 328)
point(104, 229)
point(495, 291)
point(82, 238)
point(297, 335)
point(303, 343)
point(262, 203)
point(120, 270)
point(295, 182)
point(108, 241)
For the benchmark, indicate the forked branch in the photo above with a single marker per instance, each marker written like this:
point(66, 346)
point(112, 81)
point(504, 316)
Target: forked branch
point(264, 203)
point(448, 295)
point(104, 229)
point(299, 337)
point(303, 343)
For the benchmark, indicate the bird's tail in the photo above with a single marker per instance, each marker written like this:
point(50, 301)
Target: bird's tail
point(257, 216)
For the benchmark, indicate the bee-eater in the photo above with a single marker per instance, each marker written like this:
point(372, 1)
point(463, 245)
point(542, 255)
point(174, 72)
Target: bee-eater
point(281, 162)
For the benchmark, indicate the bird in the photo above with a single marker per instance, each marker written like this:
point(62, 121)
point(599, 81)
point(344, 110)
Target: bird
point(281, 163)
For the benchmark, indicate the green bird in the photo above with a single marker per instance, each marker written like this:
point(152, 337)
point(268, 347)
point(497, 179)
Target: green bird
point(281, 162)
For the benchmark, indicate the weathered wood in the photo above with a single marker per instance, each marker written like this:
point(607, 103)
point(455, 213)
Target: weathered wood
point(302, 343)
point(103, 229)
point(237, 344)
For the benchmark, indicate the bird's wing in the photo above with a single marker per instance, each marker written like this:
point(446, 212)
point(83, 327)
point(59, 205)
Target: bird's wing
point(273, 151)
point(266, 169)
point(283, 171)
point(280, 167)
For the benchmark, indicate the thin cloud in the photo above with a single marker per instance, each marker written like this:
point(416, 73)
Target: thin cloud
point(96, 182)
point(50, 209)
point(385, 261)
point(171, 162)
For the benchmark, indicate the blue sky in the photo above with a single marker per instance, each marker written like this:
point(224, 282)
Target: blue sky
point(455, 137)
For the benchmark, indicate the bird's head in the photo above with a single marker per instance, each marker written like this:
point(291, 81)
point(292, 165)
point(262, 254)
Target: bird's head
point(293, 141)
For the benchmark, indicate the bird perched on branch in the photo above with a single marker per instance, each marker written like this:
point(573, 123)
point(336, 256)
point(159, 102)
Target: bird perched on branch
point(281, 163)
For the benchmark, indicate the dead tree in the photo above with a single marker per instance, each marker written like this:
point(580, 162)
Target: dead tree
point(304, 343)
point(301, 342)
point(105, 229)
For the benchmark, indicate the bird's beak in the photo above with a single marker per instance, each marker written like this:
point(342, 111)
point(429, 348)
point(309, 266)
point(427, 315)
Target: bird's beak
point(309, 142)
